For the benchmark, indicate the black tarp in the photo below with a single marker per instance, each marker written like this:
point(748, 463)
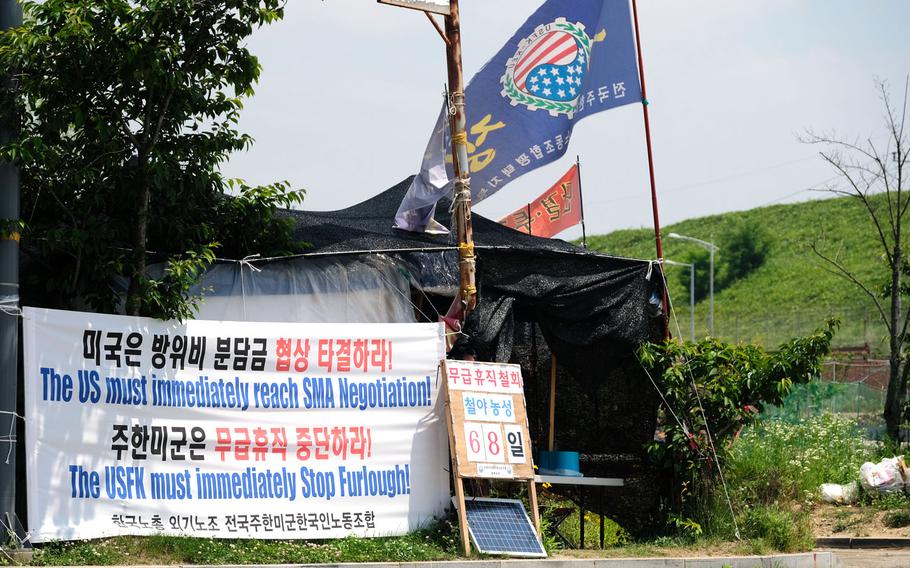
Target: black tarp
point(539, 297)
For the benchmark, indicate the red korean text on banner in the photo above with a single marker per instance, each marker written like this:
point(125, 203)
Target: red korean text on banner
point(553, 212)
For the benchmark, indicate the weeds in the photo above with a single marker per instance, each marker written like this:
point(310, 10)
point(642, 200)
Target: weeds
point(783, 529)
point(897, 519)
point(439, 542)
point(775, 461)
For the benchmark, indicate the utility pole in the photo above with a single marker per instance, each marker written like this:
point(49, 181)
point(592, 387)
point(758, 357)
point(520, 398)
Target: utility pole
point(461, 213)
point(10, 17)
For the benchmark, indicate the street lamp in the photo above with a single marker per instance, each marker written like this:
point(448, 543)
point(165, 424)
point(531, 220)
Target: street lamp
point(691, 294)
point(711, 247)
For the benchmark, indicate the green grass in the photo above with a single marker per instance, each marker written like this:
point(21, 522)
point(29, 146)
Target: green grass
point(792, 292)
point(438, 543)
point(775, 461)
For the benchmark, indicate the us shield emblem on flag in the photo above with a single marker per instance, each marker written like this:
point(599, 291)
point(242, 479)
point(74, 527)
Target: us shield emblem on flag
point(548, 69)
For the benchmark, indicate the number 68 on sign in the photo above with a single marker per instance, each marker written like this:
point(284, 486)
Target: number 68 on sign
point(488, 420)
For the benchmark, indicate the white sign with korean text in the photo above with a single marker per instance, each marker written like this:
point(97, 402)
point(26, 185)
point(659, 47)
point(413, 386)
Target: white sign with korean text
point(231, 429)
point(489, 419)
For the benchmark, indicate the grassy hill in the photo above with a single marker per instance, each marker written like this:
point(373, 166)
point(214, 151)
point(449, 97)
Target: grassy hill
point(791, 292)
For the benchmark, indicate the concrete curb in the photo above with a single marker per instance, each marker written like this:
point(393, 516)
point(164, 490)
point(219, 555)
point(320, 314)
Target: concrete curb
point(861, 542)
point(822, 559)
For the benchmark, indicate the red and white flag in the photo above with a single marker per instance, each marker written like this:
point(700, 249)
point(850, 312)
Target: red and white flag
point(553, 212)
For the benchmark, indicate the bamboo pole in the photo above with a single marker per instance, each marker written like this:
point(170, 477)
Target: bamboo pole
point(461, 215)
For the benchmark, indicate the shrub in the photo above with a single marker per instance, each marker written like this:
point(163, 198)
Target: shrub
point(716, 385)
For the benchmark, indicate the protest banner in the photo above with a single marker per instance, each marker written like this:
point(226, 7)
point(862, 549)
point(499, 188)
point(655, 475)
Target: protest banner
point(231, 429)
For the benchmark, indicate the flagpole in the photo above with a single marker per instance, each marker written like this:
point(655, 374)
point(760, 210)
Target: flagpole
point(461, 214)
point(644, 106)
point(581, 203)
point(529, 218)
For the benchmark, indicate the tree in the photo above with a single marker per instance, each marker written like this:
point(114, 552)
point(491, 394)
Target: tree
point(873, 172)
point(125, 111)
point(744, 251)
point(711, 390)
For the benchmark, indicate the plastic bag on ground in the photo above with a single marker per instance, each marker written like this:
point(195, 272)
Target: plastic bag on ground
point(886, 476)
point(839, 494)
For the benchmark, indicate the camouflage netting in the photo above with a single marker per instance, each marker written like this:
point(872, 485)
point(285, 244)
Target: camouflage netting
point(539, 297)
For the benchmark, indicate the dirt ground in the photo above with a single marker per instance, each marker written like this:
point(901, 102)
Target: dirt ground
point(857, 521)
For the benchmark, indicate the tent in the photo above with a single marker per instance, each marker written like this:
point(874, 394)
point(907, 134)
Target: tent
point(538, 297)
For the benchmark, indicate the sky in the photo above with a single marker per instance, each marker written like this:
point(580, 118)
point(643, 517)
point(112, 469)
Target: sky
point(350, 92)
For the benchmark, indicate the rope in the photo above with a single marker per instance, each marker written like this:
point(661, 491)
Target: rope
point(663, 398)
point(460, 138)
point(403, 295)
point(9, 305)
point(10, 438)
point(245, 261)
point(12, 533)
point(704, 417)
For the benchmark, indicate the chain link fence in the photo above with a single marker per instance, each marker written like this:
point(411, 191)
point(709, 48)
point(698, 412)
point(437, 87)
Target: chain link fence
point(861, 327)
point(854, 388)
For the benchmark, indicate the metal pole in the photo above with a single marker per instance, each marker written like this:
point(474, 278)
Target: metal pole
point(692, 301)
point(711, 291)
point(529, 218)
point(461, 214)
point(644, 106)
point(10, 16)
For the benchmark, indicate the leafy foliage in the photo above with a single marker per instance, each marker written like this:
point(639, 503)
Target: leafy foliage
point(125, 111)
point(732, 384)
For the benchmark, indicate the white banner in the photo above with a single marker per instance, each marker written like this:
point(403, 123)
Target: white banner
point(231, 429)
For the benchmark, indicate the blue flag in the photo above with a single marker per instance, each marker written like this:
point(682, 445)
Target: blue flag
point(571, 59)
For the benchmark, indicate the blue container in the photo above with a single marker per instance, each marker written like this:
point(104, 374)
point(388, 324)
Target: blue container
point(559, 463)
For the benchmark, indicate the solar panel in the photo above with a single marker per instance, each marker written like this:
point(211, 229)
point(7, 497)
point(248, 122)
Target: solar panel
point(501, 526)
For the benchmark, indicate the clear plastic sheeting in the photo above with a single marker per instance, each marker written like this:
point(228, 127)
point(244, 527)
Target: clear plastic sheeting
point(362, 289)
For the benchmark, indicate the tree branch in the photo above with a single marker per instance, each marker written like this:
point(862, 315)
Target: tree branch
point(844, 272)
point(862, 196)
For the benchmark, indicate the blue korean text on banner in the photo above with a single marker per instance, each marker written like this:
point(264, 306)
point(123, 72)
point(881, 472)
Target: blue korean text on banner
point(570, 59)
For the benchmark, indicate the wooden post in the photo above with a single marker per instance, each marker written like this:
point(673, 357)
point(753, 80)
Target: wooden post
point(453, 465)
point(552, 437)
point(532, 501)
point(462, 516)
point(461, 215)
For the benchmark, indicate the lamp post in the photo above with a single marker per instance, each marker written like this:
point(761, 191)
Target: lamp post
point(691, 293)
point(711, 247)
